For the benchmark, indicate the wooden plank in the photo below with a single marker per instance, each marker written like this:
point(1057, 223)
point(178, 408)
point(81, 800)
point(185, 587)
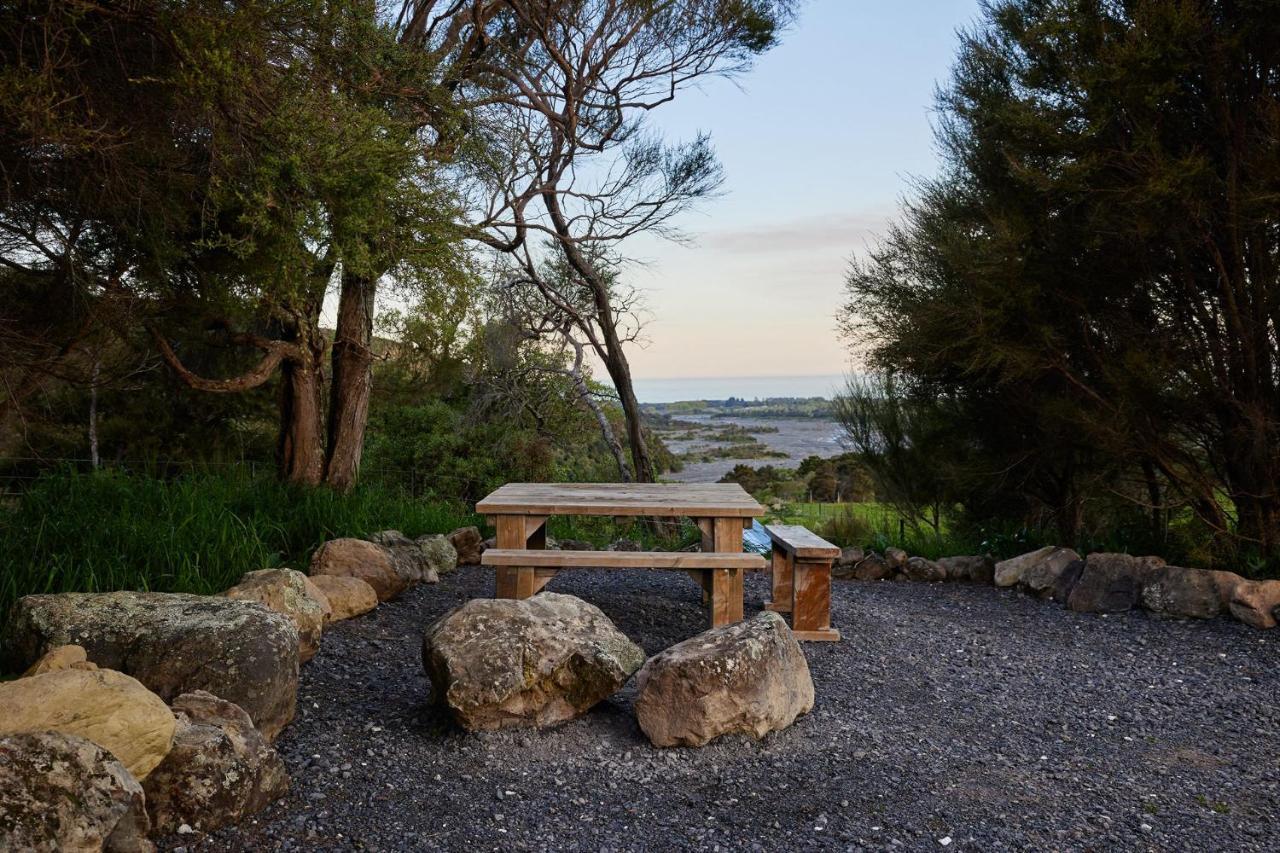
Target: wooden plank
point(542, 577)
point(621, 499)
point(781, 570)
point(811, 600)
point(801, 541)
point(726, 584)
point(501, 557)
point(514, 581)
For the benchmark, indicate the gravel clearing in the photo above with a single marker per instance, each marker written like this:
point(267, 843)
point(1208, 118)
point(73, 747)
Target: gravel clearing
point(950, 717)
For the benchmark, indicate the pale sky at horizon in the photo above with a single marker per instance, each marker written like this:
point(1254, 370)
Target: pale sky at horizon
point(818, 142)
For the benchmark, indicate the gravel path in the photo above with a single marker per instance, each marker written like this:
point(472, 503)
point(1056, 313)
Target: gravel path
point(951, 716)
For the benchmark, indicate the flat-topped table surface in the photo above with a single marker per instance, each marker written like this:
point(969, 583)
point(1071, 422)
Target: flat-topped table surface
point(682, 499)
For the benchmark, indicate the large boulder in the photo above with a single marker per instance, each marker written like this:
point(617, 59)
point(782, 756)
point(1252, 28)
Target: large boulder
point(407, 558)
point(107, 707)
point(896, 559)
point(497, 663)
point(440, 555)
point(62, 792)
point(844, 564)
point(1112, 583)
point(976, 568)
point(173, 643)
point(469, 545)
point(1040, 577)
point(292, 594)
point(1009, 572)
point(356, 558)
point(1186, 593)
point(1256, 603)
point(219, 770)
point(749, 677)
point(872, 568)
point(920, 569)
point(347, 597)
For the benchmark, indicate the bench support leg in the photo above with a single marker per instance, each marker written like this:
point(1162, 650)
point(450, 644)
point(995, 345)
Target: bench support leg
point(811, 601)
point(782, 571)
point(514, 532)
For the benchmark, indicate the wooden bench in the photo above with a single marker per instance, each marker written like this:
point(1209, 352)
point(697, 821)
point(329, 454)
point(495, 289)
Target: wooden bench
point(802, 580)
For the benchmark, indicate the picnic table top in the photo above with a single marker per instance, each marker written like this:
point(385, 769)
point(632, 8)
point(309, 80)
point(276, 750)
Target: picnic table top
point(683, 499)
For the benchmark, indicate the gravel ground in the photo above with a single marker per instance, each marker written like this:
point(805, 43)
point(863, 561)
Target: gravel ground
point(951, 716)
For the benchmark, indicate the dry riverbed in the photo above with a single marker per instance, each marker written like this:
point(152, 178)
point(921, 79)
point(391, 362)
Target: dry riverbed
point(951, 717)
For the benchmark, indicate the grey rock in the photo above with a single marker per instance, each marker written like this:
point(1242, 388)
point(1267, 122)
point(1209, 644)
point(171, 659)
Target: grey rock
point(1040, 577)
point(920, 569)
point(977, 569)
point(1186, 593)
point(173, 643)
point(440, 557)
point(62, 792)
point(1111, 583)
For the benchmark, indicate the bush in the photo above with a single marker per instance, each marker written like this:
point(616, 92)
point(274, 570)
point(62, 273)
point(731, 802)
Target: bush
point(195, 533)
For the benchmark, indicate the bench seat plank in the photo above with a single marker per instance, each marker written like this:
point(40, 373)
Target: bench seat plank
point(621, 559)
point(800, 541)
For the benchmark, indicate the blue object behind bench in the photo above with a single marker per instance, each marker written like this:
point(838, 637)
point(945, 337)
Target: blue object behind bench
point(755, 539)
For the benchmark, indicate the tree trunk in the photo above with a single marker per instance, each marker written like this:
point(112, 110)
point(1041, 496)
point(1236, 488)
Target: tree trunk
point(606, 428)
point(300, 447)
point(620, 373)
point(352, 380)
point(93, 413)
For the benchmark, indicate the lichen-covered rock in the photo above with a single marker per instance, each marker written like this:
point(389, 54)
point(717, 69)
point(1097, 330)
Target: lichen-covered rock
point(497, 663)
point(469, 544)
point(440, 556)
point(872, 568)
point(977, 569)
point(63, 657)
point(291, 594)
point(60, 792)
point(1112, 583)
point(920, 569)
point(407, 557)
point(356, 558)
point(219, 771)
point(173, 643)
point(749, 677)
point(1009, 572)
point(1040, 577)
point(107, 707)
point(1256, 603)
point(1186, 593)
point(347, 596)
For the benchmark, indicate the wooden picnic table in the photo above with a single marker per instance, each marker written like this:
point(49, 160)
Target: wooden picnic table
point(722, 511)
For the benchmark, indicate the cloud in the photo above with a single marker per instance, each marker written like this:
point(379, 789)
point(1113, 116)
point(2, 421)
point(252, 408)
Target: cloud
point(848, 232)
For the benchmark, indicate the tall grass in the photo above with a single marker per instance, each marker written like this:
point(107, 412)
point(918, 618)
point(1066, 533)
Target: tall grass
point(197, 533)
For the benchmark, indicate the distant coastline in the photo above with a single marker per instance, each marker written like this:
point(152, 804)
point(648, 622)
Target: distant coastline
point(674, 390)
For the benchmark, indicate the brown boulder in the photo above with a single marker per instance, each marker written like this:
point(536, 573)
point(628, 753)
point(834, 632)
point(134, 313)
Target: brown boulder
point(172, 643)
point(63, 657)
point(920, 569)
point(1009, 572)
point(978, 569)
point(844, 564)
point(749, 677)
point(497, 663)
point(896, 558)
point(347, 596)
point(62, 792)
point(1112, 583)
point(1039, 577)
point(1187, 593)
point(356, 558)
point(469, 544)
point(1256, 603)
point(291, 594)
point(107, 707)
point(219, 771)
point(872, 568)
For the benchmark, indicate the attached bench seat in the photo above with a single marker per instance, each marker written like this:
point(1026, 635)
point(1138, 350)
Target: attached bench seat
point(802, 580)
point(675, 560)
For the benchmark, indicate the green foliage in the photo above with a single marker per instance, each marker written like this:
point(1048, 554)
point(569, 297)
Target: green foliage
point(196, 533)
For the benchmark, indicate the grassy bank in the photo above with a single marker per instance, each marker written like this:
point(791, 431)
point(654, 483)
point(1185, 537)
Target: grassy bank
point(198, 533)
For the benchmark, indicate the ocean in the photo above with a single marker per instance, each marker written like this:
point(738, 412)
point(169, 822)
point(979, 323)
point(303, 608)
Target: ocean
point(742, 387)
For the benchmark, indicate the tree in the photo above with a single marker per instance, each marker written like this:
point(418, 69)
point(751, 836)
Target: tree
point(1093, 278)
point(566, 88)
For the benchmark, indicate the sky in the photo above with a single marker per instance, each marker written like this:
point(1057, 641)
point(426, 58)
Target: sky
point(819, 142)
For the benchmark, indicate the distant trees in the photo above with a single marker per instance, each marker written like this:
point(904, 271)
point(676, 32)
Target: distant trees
point(1089, 295)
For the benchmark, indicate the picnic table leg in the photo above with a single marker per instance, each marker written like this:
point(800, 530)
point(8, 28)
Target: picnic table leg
point(782, 571)
point(726, 584)
point(513, 532)
point(811, 601)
